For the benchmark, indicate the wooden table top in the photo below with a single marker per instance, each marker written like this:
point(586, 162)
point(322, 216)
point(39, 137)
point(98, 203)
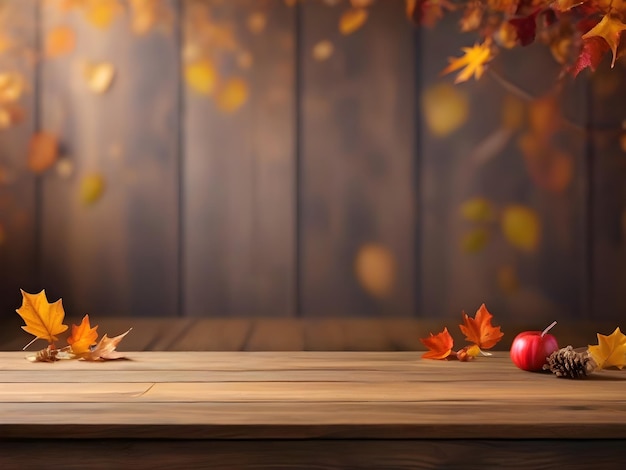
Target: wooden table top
point(303, 395)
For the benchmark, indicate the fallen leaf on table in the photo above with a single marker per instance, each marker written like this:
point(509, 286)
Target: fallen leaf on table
point(42, 151)
point(479, 330)
point(105, 350)
point(352, 20)
point(83, 337)
point(439, 345)
point(610, 350)
point(43, 319)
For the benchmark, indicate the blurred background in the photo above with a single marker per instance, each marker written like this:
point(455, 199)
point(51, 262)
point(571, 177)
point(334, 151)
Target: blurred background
point(303, 160)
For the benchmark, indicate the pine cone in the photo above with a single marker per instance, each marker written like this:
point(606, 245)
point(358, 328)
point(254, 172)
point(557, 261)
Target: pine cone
point(570, 364)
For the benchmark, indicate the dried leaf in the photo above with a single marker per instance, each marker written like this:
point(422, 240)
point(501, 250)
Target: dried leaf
point(91, 188)
point(323, 50)
point(99, 76)
point(105, 349)
point(233, 95)
point(472, 17)
point(83, 337)
point(439, 345)
point(478, 209)
point(610, 29)
point(591, 55)
point(472, 62)
point(352, 20)
point(43, 320)
point(60, 41)
point(479, 330)
point(43, 151)
point(201, 76)
point(375, 269)
point(525, 28)
point(521, 227)
point(610, 350)
point(445, 108)
point(427, 12)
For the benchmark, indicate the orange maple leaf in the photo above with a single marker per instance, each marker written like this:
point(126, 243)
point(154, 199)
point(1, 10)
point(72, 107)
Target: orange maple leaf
point(479, 330)
point(473, 62)
point(83, 337)
point(105, 350)
point(610, 29)
point(43, 320)
point(439, 345)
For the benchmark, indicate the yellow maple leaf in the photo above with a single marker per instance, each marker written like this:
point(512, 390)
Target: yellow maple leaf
point(610, 29)
point(83, 337)
point(610, 350)
point(472, 62)
point(43, 320)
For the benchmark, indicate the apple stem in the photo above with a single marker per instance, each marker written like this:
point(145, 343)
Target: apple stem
point(548, 328)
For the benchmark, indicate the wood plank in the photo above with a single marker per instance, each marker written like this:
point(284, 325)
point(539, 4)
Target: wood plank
point(238, 187)
point(310, 454)
point(463, 262)
point(607, 194)
point(18, 225)
point(213, 334)
point(357, 190)
point(119, 254)
point(285, 334)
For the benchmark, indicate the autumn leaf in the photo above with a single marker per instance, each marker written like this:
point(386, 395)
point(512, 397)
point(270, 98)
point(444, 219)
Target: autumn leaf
point(201, 76)
point(610, 29)
point(439, 345)
point(83, 337)
point(60, 41)
point(43, 320)
point(43, 151)
point(525, 28)
point(105, 349)
point(591, 55)
point(521, 227)
point(472, 62)
point(610, 350)
point(352, 20)
point(479, 330)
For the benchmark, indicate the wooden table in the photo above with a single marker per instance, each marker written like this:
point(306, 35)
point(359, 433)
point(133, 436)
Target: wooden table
point(305, 410)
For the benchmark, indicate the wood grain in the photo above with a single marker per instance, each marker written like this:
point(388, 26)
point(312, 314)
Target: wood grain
point(18, 197)
point(119, 254)
point(304, 395)
point(357, 185)
point(314, 455)
point(238, 185)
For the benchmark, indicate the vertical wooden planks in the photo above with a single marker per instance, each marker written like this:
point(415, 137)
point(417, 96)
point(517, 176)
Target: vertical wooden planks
point(17, 182)
point(118, 252)
point(504, 154)
point(357, 164)
point(608, 192)
point(238, 187)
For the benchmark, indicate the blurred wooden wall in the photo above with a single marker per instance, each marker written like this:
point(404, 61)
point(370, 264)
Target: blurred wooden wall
point(250, 158)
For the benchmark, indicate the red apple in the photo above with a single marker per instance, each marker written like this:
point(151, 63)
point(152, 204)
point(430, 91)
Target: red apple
point(531, 348)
